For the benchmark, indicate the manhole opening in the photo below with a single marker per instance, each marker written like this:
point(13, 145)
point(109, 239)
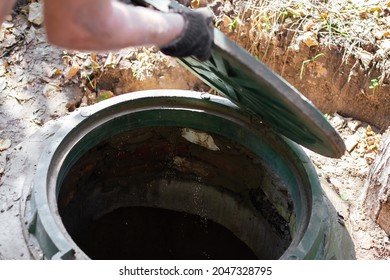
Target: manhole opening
point(147, 233)
point(175, 193)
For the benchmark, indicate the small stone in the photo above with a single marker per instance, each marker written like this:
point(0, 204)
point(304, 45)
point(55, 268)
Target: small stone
point(35, 14)
point(351, 142)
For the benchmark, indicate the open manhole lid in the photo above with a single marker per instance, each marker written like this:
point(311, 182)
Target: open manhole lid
point(254, 87)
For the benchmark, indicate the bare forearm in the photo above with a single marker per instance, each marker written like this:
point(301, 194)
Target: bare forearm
point(5, 8)
point(105, 24)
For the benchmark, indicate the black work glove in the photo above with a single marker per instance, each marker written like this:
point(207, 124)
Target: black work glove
point(196, 38)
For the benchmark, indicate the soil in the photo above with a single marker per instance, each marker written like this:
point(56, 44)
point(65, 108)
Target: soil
point(39, 83)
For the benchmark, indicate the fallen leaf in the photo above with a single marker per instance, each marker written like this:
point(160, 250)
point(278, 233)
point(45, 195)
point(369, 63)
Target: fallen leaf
point(110, 61)
point(338, 121)
point(363, 14)
point(352, 142)
point(55, 72)
point(7, 24)
point(72, 71)
point(385, 46)
point(374, 8)
point(104, 94)
point(195, 4)
point(94, 57)
point(5, 144)
point(370, 157)
point(226, 21)
point(9, 41)
point(94, 61)
point(365, 57)
point(3, 83)
point(51, 88)
point(324, 15)
point(369, 131)
point(309, 38)
point(31, 34)
point(200, 138)
point(353, 125)
point(3, 71)
point(296, 12)
point(308, 26)
point(379, 34)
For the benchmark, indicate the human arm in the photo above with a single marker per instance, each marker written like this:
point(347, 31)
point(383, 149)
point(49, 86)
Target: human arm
point(106, 25)
point(5, 8)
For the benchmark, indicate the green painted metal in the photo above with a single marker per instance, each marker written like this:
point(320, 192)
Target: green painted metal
point(254, 87)
point(85, 129)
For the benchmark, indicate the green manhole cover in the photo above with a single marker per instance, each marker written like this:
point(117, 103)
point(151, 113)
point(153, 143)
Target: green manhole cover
point(254, 87)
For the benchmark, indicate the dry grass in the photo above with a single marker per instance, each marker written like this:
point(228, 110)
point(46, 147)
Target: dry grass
point(359, 28)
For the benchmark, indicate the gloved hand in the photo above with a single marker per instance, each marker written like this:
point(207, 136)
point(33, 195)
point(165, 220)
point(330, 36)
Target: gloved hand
point(196, 38)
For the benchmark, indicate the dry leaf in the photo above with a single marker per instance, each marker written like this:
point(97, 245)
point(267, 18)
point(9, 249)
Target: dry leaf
point(9, 40)
point(352, 142)
point(309, 38)
point(226, 21)
point(7, 25)
point(94, 61)
point(3, 84)
point(308, 26)
point(295, 12)
point(51, 88)
point(200, 138)
point(104, 94)
point(110, 61)
point(5, 144)
point(72, 72)
point(374, 8)
point(369, 131)
point(385, 45)
point(381, 34)
point(378, 35)
point(365, 57)
point(324, 15)
point(363, 14)
point(55, 72)
point(195, 4)
point(94, 57)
